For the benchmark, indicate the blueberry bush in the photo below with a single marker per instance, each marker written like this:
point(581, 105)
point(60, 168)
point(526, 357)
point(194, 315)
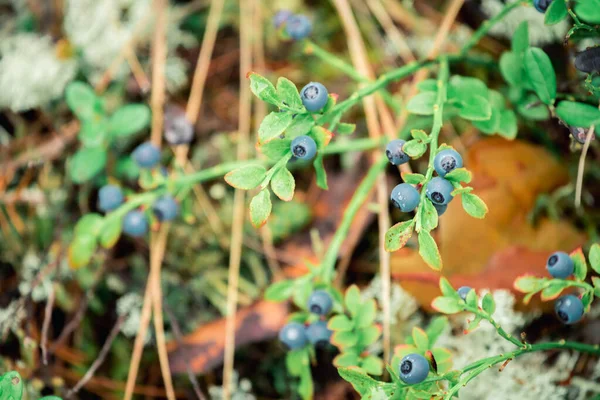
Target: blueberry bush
point(131, 193)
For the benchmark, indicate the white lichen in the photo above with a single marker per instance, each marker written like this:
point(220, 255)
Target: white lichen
point(130, 305)
point(240, 389)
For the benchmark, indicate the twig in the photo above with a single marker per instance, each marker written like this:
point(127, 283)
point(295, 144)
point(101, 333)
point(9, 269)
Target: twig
point(390, 29)
point(188, 368)
point(581, 168)
point(239, 196)
point(46, 325)
point(137, 69)
point(72, 325)
point(101, 356)
point(159, 56)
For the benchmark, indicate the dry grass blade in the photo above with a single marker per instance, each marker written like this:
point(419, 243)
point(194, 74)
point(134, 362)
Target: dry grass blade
point(581, 167)
point(46, 325)
point(159, 57)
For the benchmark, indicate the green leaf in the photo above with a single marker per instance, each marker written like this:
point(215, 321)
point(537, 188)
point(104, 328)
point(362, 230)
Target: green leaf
point(594, 257)
point(11, 386)
point(372, 365)
point(586, 298)
point(81, 250)
point(288, 94)
point(491, 125)
point(111, 231)
point(520, 39)
point(276, 149)
point(447, 305)
point(540, 72)
point(305, 388)
point(471, 298)
point(578, 114)
point(588, 10)
point(345, 129)
point(434, 330)
point(556, 12)
point(360, 381)
point(596, 282)
point(427, 85)
point(420, 134)
point(344, 339)
point(488, 304)
point(280, 291)
point(89, 224)
point(420, 339)
point(397, 236)
point(429, 251)
point(340, 323)
point(301, 125)
point(413, 179)
point(553, 290)
point(348, 359)
point(273, 126)
point(414, 148)
point(296, 361)
point(283, 184)
point(260, 208)
point(366, 314)
point(81, 99)
point(447, 289)
point(428, 216)
point(511, 68)
point(464, 87)
point(422, 103)
point(475, 108)
point(531, 108)
point(473, 205)
point(528, 284)
point(129, 120)
point(352, 300)
point(580, 264)
point(461, 190)
point(263, 89)
point(369, 335)
point(459, 175)
point(320, 172)
point(303, 287)
point(93, 133)
point(508, 125)
point(247, 177)
point(86, 164)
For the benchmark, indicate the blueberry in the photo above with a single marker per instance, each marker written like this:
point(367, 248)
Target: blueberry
point(303, 147)
point(560, 265)
point(439, 191)
point(541, 5)
point(178, 129)
point(395, 154)
point(314, 96)
point(320, 302)
point(293, 335)
point(318, 333)
point(414, 368)
point(440, 208)
point(588, 61)
point(580, 134)
point(165, 208)
point(298, 26)
point(569, 309)
point(109, 197)
point(446, 161)
point(135, 224)
point(281, 17)
point(463, 291)
point(405, 197)
point(146, 155)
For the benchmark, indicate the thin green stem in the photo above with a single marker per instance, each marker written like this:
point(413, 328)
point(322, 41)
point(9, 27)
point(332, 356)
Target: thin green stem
point(499, 329)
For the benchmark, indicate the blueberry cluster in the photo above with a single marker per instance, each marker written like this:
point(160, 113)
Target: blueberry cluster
point(569, 308)
point(135, 222)
point(297, 26)
point(414, 368)
point(295, 335)
point(439, 190)
point(542, 5)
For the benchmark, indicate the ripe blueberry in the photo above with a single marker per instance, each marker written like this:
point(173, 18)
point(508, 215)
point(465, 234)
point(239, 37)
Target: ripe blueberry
point(303, 147)
point(165, 208)
point(298, 26)
point(560, 265)
point(580, 134)
point(320, 302)
point(414, 368)
point(446, 161)
point(405, 197)
point(293, 335)
point(314, 96)
point(178, 129)
point(541, 5)
point(441, 209)
point(318, 333)
point(135, 223)
point(439, 191)
point(395, 154)
point(569, 309)
point(463, 291)
point(109, 197)
point(588, 61)
point(146, 155)
point(281, 17)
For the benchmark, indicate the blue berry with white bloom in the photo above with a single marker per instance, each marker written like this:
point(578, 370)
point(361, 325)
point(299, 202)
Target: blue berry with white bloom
point(135, 223)
point(165, 208)
point(293, 335)
point(463, 291)
point(146, 155)
point(414, 368)
point(281, 17)
point(298, 27)
point(395, 154)
point(314, 96)
point(542, 5)
point(320, 302)
point(405, 197)
point(560, 265)
point(303, 147)
point(446, 161)
point(439, 191)
point(318, 333)
point(569, 309)
point(110, 197)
